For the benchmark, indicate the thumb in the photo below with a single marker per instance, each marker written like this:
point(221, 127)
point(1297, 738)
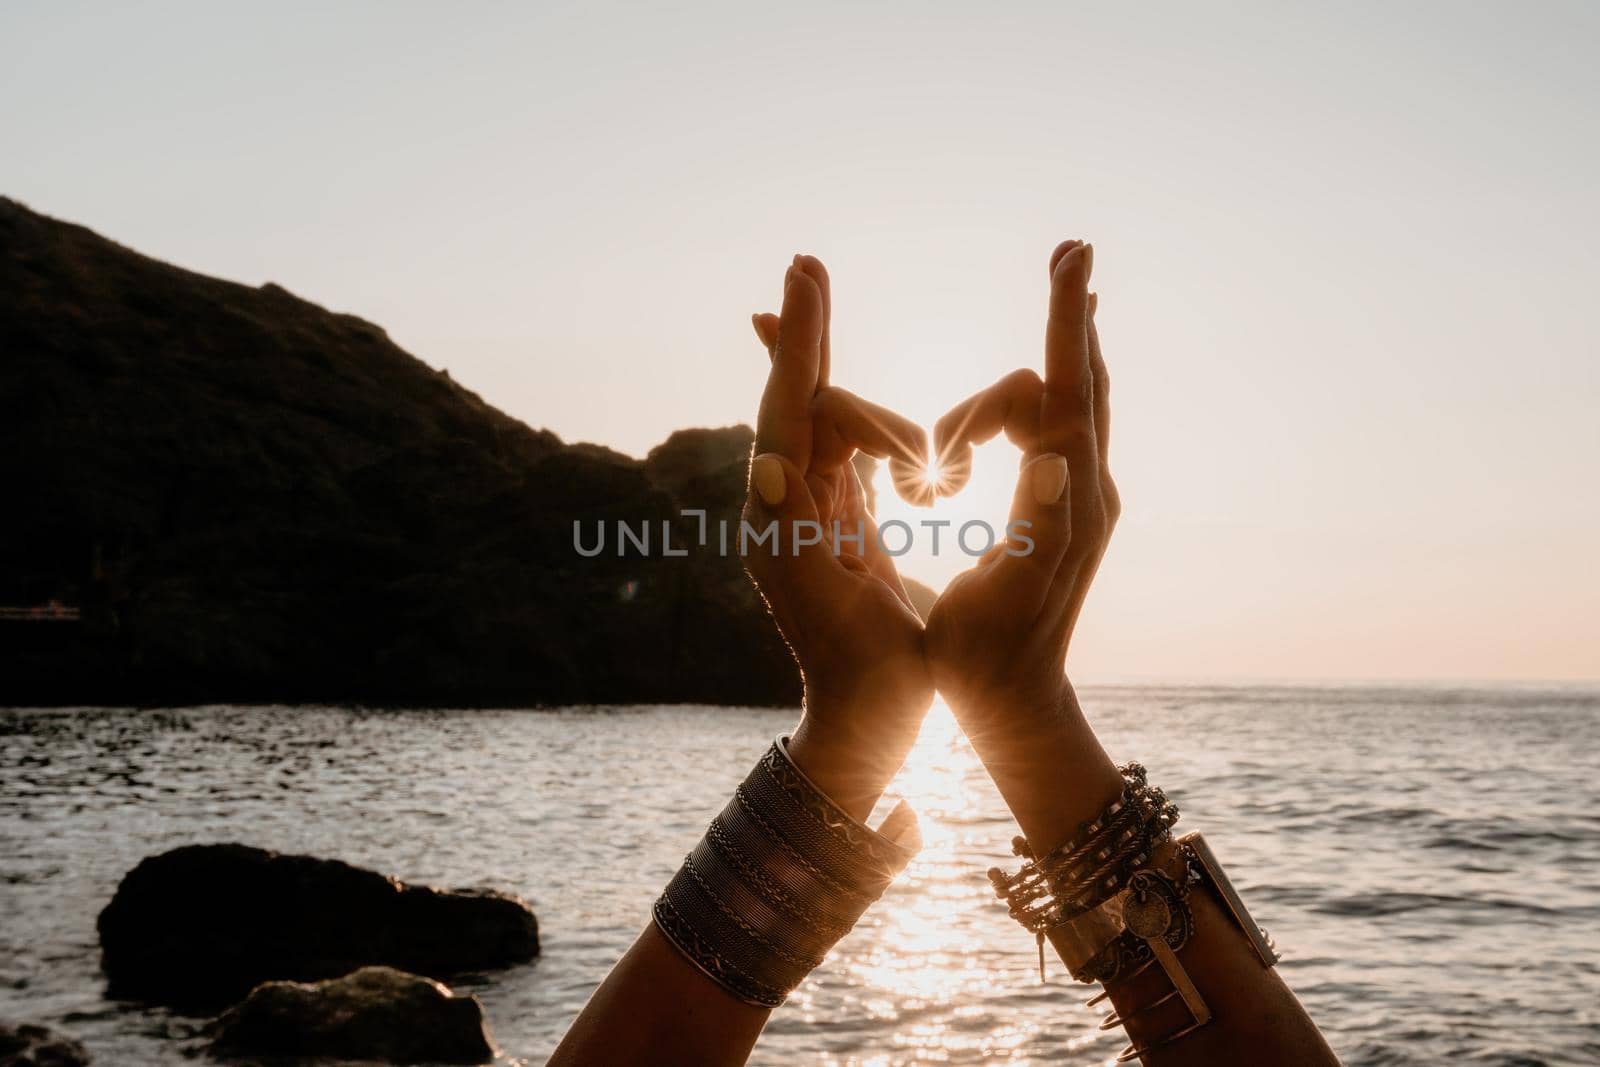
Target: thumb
point(1039, 531)
point(788, 541)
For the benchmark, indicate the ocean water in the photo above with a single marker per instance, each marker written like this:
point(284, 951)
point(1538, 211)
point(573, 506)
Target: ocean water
point(1427, 859)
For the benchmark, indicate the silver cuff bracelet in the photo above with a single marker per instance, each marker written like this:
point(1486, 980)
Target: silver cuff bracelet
point(780, 876)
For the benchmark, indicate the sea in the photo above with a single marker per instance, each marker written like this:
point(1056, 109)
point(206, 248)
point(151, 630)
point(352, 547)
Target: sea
point(1426, 857)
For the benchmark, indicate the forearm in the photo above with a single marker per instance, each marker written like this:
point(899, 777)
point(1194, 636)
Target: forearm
point(779, 875)
point(1055, 776)
point(657, 1007)
point(1046, 761)
point(1252, 1009)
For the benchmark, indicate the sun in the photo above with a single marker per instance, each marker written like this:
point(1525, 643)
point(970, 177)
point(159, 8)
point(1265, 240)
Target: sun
point(920, 483)
point(938, 502)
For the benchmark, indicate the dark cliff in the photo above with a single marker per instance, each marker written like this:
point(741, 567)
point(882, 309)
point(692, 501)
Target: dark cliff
point(251, 498)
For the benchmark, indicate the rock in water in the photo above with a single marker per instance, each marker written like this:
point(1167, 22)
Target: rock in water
point(377, 1013)
point(26, 1045)
point(198, 927)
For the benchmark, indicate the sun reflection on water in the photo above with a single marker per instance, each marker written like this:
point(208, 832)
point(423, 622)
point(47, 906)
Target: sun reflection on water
point(936, 774)
point(929, 957)
point(933, 969)
point(925, 955)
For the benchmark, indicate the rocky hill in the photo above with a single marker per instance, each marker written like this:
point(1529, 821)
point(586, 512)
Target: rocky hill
point(251, 498)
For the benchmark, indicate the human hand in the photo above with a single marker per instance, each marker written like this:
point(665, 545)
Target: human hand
point(997, 638)
point(833, 591)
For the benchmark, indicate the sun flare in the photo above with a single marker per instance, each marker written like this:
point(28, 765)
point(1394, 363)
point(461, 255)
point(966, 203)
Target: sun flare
point(937, 501)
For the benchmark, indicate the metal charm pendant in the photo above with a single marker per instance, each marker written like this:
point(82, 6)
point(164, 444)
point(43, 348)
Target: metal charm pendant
point(1145, 910)
point(1154, 910)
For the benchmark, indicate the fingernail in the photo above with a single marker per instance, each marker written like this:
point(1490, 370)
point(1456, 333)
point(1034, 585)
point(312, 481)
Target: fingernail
point(771, 485)
point(1094, 302)
point(1069, 261)
point(1049, 478)
point(755, 324)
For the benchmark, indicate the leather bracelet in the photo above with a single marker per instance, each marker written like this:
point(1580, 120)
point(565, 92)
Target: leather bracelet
point(781, 874)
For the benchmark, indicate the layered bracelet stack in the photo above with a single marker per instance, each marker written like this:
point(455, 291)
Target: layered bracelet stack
point(780, 876)
point(783, 873)
point(1112, 911)
point(1077, 877)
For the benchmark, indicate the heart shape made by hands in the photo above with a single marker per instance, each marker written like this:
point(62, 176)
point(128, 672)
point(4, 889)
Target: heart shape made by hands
point(1012, 405)
point(844, 423)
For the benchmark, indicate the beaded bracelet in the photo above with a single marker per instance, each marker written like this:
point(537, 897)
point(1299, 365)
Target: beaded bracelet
point(780, 876)
point(1081, 874)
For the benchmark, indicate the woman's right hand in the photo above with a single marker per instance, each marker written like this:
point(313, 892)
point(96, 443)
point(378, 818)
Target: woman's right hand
point(997, 638)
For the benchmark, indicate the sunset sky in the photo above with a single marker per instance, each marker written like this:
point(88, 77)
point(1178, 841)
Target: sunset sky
point(1346, 257)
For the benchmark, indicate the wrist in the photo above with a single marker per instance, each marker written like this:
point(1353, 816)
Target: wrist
point(851, 753)
point(1044, 758)
point(777, 879)
point(1012, 699)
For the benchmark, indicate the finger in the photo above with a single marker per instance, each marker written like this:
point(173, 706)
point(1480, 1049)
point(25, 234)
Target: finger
point(1102, 387)
point(1068, 377)
point(845, 423)
point(1096, 527)
point(1011, 404)
point(878, 561)
point(826, 490)
point(1091, 533)
point(798, 556)
point(784, 424)
point(1060, 250)
point(851, 517)
point(882, 567)
point(1064, 603)
point(1038, 534)
point(766, 325)
point(856, 565)
point(813, 268)
point(1066, 417)
point(997, 552)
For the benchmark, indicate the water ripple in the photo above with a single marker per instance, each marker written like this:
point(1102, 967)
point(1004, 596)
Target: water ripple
point(1427, 859)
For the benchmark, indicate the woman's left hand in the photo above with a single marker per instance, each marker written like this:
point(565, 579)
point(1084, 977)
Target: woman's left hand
point(834, 593)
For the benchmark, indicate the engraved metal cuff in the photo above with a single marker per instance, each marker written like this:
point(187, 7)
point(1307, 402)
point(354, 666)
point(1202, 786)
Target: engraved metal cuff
point(781, 874)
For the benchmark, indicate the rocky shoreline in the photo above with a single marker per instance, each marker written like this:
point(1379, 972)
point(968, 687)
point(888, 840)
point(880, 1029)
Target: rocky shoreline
point(298, 958)
point(227, 494)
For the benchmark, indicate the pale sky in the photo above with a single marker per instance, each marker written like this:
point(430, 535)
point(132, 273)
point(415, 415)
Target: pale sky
point(1346, 258)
